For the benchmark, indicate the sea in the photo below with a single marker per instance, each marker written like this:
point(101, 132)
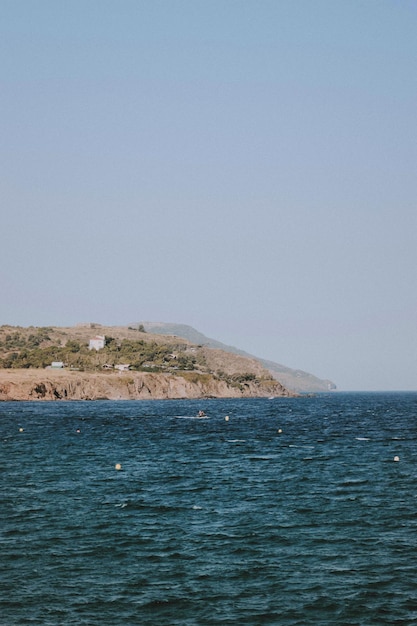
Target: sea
point(287, 511)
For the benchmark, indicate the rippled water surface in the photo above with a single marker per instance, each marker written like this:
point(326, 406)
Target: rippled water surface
point(210, 521)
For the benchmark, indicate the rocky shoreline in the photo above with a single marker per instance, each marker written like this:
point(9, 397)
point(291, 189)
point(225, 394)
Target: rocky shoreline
point(34, 384)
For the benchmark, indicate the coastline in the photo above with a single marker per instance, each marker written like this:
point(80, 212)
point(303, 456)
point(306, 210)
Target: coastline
point(55, 385)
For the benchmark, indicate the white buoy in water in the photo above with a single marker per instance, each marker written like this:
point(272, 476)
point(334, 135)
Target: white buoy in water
point(280, 430)
point(118, 466)
point(20, 430)
point(396, 458)
point(226, 419)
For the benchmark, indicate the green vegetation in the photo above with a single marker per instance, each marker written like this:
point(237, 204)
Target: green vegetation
point(20, 351)
point(242, 380)
point(146, 355)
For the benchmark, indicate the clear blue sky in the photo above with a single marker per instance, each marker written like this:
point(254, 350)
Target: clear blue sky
point(248, 167)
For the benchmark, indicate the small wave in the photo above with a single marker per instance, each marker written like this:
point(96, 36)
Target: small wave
point(362, 439)
point(195, 507)
point(191, 417)
point(354, 481)
point(236, 440)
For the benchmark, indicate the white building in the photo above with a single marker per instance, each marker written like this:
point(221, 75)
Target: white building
point(123, 367)
point(97, 343)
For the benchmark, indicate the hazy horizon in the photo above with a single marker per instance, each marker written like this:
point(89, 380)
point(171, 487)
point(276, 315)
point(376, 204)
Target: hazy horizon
point(246, 168)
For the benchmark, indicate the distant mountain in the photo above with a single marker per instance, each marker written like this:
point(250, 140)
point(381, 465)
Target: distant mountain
point(297, 380)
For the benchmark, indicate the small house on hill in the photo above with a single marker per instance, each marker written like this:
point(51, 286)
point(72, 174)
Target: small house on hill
point(97, 343)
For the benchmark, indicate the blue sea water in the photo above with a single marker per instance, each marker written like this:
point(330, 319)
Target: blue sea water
point(210, 521)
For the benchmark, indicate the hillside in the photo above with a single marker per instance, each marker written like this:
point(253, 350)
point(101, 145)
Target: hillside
point(297, 380)
point(57, 363)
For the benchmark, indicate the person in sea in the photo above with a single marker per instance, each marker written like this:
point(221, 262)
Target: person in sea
point(201, 414)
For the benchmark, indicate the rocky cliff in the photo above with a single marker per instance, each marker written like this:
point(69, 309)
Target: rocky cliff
point(67, 385)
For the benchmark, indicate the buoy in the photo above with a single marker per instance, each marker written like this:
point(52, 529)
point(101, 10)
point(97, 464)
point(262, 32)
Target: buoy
point(396, 458)
point(118, 466)
point(226, 419)
point(20, 430)
point(279, 430)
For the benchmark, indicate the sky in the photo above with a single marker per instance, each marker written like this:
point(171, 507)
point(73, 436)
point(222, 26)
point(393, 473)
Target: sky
point(247, 167)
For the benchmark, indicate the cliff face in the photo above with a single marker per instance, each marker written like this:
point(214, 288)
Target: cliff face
point(66, 385)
